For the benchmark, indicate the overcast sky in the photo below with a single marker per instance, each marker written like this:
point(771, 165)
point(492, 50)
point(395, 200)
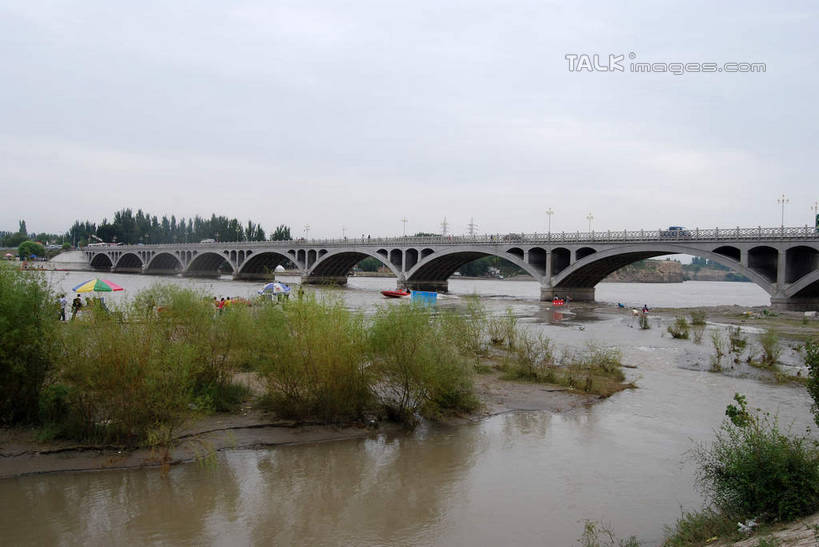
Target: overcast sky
point(357, 114)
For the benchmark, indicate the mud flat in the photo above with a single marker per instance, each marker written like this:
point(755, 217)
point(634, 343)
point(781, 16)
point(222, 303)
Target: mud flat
point(22, 454)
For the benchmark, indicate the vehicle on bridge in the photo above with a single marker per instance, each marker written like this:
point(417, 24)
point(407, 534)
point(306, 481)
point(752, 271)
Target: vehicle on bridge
point(675, 232)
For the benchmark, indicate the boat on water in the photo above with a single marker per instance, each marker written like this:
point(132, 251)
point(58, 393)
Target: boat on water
point(398, 293)
point(558, 302)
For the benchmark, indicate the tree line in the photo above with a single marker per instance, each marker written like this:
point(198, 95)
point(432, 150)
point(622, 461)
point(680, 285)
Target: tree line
point(132, 228)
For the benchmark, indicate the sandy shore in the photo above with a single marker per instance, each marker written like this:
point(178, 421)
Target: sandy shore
point(21, 453)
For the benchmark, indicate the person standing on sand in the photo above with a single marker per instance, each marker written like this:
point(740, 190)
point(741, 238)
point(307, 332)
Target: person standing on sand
point(76, 305)
point(63, 302)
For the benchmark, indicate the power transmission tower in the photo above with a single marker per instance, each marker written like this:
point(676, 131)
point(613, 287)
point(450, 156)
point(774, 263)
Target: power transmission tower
point(472, 226)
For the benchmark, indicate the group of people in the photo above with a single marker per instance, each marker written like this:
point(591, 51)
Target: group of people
point(77, 304)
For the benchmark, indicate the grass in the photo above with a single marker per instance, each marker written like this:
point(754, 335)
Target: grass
point(680, 328)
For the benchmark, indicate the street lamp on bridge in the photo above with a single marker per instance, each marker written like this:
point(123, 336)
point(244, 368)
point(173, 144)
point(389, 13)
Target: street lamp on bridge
point(549, 214)
point(782, 201)
point(306, 231)
point(404, 222)
point(590, 217)
point(815, 210)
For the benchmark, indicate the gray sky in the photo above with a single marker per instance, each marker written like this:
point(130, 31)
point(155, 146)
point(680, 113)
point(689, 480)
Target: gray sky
point(359, 113)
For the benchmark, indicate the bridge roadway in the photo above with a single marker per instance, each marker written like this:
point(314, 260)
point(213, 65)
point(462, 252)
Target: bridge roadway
point(783, 261)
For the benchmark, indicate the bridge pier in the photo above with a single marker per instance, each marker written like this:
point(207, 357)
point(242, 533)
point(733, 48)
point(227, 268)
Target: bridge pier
point(431, 286)
point(576, 294)
point(161, 272)
point(254, 276)
point(205, 274)
point(794, 304)
point(324, 280)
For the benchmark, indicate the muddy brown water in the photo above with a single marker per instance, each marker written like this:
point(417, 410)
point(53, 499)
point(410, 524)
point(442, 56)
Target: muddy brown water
point(527, 478)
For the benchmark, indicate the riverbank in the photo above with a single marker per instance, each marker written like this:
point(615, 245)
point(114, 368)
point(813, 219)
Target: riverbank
point(22, 454)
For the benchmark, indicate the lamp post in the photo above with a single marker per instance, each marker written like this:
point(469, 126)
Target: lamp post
point(590, 217)
point(306, 231)
point(549, 214)
point(782, 201)
point(815, 210)
point(404, 222)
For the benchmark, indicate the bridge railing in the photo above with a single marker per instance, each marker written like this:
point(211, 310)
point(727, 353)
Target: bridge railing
point(693, 234)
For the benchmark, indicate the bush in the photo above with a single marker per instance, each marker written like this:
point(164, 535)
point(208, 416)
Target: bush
point(771, 347)
point(503, 330)
point(755, 470)
point(698, 318)
point(720, 350)
point(811, 350)
point(417, 370)
point(312, 355)
point(737, 340)
point(123, 380)
point(679, 329)
point(28, 317)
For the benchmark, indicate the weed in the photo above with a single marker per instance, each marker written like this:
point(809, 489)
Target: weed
point(720, 350)
point(755, 469)
point(771, 347)
point(679, 329)
point(698, 317)
point(644, 324)
point(597, 534)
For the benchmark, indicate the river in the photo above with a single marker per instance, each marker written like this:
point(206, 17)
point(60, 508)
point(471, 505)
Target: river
point(526, 478)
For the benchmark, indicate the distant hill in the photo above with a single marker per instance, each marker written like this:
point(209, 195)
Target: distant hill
point(671, 271)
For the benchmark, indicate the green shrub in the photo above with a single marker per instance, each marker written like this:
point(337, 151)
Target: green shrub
point(28, 317)
point(418, 371)
point(753, 469)
point(771, 347)
point(679, 329)
point(124, 379)
point(698, 317)
point(699, 528)
point(534, 358)
point(503, 330)
point(312, 355)
point(811, 350)
point(720, 350)
point(737, 340)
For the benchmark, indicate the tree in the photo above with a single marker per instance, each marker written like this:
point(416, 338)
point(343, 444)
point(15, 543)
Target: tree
point(28, 248)
point(281, 233)
point(22, 229)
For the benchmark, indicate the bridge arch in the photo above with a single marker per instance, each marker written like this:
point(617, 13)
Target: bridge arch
point(164, 263)
point(434, 270)
point(128, 262)
point(101, 261)
point(207, 264)
point(333, 266)
point(261, 265)
point(589, 271)
point(806, 287)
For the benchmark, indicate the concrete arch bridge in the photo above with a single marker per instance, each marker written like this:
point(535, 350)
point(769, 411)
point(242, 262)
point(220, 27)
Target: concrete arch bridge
point(783, 261)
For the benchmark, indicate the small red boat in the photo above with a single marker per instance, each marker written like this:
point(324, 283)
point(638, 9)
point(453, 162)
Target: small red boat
point(398, 293)
point(558, 302)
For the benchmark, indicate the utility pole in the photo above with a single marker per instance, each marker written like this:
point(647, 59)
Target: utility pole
point(589, 217)
point(306, 231)
point(444, 225)
point(549, 214)
point(404, 222)
point(472, 226)
point(782, 201)
point(343, 232)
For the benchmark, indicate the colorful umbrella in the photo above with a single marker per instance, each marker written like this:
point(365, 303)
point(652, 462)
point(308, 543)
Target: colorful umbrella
point(97, 285)
point(275, 288)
